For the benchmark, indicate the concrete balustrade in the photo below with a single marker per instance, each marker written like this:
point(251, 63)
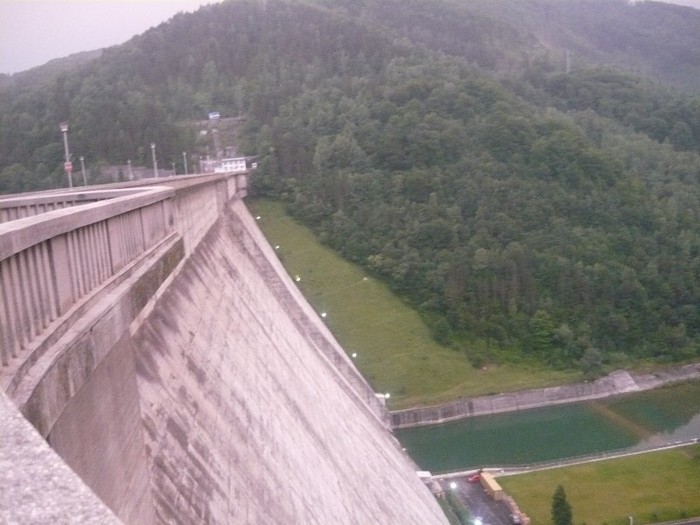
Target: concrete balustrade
point(49, 262)
point(21, 206)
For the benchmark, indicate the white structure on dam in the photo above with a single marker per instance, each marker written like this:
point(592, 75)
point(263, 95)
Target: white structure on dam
point(159, 366)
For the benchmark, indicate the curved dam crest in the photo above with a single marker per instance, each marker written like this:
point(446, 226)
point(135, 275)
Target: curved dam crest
point(201, 388)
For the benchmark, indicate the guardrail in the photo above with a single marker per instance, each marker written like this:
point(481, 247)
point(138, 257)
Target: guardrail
point(50, 261)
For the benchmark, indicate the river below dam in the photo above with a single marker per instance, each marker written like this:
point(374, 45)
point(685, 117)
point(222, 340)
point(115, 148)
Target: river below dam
point(631, 421)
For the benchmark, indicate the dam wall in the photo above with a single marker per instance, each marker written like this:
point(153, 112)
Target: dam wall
point(183, 381)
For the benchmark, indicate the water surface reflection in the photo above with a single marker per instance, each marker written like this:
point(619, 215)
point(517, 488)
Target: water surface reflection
point(559, 432)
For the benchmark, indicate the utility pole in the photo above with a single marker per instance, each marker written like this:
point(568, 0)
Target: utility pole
point(155, 163)
point(82, 167)
point(67, 165)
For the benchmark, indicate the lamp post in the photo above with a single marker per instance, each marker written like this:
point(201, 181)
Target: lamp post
point(131, 173)
point(155, 163)
point(82, 167)
point(67, 165)
point(184, 159)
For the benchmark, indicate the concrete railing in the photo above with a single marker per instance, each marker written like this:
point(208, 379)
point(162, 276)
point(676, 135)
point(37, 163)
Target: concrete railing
point(22, 206)
point(50, 262)
point(77, 271)
point(58, 248)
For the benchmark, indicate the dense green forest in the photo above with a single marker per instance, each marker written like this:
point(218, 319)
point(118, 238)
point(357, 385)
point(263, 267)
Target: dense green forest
point(525, 172)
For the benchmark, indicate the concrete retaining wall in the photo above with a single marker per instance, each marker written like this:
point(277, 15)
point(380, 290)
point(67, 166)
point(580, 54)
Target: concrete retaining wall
point(619, 382)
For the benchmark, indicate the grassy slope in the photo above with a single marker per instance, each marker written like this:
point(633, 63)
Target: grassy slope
point(394, 348)
point(397, 354)
point(649, 487)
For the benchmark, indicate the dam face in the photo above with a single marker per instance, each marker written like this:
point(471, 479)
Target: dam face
point(192, 385)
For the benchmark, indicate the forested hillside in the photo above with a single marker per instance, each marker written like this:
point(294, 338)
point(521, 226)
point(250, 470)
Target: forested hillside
point(532, 206)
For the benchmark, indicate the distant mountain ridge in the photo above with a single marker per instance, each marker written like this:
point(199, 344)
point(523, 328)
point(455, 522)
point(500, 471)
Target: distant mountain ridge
point(647, 37)
point(650, 38)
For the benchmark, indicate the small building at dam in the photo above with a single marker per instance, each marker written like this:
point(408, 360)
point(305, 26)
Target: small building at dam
point(159, 366)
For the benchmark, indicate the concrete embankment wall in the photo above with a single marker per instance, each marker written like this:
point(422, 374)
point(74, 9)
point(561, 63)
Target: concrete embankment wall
point(620, 382)
point(185, 382)
point(247, 420)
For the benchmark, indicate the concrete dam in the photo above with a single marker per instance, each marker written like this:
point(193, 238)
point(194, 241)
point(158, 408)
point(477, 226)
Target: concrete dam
point(159, 366)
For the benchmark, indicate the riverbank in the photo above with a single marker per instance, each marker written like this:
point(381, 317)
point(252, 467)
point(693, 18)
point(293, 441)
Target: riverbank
point(619, 382)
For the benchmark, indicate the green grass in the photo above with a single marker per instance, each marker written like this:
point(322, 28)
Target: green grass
point(395, 350)
point(653, 487)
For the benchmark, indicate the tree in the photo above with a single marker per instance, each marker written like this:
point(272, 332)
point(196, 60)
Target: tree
point(591, 363)
point(561, 510)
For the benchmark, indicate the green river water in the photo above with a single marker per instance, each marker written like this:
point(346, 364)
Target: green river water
point(630, 421)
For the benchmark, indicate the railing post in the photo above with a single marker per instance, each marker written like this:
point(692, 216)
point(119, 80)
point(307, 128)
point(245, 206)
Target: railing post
point(61, 274)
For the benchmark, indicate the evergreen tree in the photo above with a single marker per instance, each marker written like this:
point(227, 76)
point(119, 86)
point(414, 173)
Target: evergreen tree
point(561, 510)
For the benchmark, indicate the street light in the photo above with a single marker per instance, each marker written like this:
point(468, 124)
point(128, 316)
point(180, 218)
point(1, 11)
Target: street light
point(82, 167)
point(184, 158)
point(67, 165)
point(155, 163)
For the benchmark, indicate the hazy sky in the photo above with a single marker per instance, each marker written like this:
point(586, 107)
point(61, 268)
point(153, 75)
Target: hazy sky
point(32, 32)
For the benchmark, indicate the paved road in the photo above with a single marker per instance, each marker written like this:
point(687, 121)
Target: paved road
point(478, 502)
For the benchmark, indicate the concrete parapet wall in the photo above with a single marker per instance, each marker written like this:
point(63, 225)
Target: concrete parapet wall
point(616, 383)
point(619, 382)
point(28, 464)
point(50, 262)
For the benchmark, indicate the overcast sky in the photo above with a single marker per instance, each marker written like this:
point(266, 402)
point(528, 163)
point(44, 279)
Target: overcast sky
point(32, 32)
